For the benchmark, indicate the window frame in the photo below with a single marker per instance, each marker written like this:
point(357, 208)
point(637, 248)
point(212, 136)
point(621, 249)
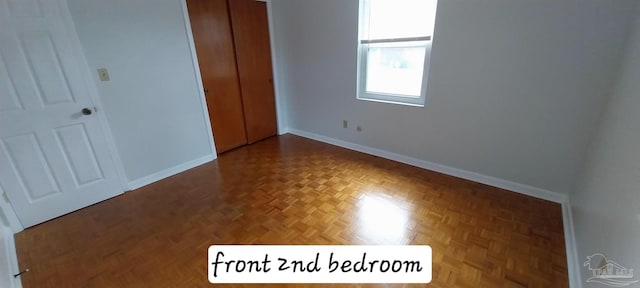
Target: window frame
point(362, 67)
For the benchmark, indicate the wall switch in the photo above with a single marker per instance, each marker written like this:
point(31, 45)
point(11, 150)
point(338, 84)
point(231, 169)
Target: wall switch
point(104, 74)
point(345, 124)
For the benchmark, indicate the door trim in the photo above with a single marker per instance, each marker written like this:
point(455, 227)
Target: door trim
point(9, 213)
point(196, 70)
point(281, 113)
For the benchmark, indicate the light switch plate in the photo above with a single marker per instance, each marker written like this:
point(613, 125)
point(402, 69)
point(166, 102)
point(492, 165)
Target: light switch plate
point(104, 74)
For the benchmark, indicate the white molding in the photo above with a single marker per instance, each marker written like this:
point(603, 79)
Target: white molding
point(9, 213)
point(146, 180)
point(473, 176)
point(94, 95)
point(281, 113)
point(10, 252)
point(286, 130)
point(196, 70)
point(573, 263)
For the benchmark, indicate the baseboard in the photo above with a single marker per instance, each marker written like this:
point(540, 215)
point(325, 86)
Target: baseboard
point(284, 130)
point(473, 176)
point(144, 181)
point(9, 260)
point(573, 263)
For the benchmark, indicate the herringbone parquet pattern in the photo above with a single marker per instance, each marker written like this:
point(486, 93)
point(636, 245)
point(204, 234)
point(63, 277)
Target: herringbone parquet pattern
point(290, 190)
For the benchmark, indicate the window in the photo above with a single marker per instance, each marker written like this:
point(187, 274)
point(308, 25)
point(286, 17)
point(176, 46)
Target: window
point(393, 51)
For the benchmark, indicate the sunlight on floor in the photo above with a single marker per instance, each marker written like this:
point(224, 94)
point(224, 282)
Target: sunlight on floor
point(382, 218)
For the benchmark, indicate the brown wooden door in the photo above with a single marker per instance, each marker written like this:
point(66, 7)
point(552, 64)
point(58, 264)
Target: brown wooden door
point(253, 53)
point(212, 34)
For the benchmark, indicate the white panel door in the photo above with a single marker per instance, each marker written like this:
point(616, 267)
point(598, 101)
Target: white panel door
point(53, 158)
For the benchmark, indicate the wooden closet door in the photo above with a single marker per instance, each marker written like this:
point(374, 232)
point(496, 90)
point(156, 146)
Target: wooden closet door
point(253, 53)
point(212, 34)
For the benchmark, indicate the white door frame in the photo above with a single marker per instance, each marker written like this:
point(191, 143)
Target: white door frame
point(9, 214)
point(281, 112)
point(196, 70)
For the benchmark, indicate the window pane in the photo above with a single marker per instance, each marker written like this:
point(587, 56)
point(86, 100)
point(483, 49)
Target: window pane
point(400, 18)
point(395, 70)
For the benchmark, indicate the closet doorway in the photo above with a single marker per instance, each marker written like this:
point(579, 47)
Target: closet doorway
point(232, 43)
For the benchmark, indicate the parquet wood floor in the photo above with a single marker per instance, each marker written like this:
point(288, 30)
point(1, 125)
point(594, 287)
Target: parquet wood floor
point(291, 190)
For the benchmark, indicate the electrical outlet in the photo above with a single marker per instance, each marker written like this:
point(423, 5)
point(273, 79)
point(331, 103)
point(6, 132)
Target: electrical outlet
point(358, 128)
point(104, 74)
point(345, 124)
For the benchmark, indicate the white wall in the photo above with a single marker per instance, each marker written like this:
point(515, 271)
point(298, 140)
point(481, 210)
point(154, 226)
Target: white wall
point(515, 87)
point(152, 102)
point(606, 204)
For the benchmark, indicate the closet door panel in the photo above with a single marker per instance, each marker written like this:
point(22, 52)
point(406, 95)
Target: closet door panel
point(253, 53)
point(213, 38)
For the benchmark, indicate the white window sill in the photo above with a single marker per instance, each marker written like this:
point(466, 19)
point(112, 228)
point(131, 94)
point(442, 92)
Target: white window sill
point(391, 102)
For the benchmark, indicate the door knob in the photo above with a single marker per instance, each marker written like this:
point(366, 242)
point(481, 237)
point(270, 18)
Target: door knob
point(86, 111)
